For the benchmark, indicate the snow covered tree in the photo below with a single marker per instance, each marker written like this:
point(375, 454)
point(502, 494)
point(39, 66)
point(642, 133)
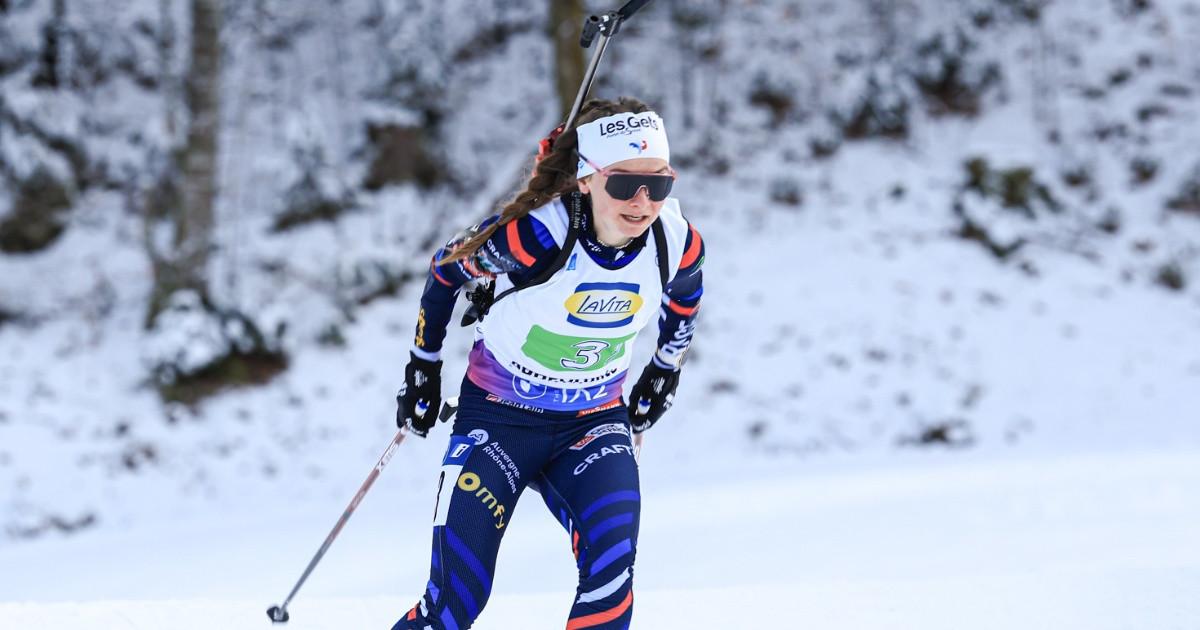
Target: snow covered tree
point(192, 192)
point(566, 16)
point(197, 343)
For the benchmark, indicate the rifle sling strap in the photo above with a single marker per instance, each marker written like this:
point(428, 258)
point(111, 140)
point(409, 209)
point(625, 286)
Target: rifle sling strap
point(575, 217)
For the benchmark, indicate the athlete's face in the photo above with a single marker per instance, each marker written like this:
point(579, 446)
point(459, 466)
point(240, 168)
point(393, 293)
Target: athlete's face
point(618, 221)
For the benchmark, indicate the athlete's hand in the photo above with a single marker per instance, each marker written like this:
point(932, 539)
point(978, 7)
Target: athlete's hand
point(652, 396)
point(420, 399)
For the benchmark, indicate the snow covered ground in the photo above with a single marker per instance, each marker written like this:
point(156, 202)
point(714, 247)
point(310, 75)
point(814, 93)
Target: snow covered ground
point(1097, 540)
point(786, 488)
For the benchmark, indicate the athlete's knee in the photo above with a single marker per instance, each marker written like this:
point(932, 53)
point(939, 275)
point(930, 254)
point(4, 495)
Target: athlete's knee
point(609, 544)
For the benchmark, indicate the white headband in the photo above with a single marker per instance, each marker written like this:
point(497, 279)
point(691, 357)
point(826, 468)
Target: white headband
point(621, 137)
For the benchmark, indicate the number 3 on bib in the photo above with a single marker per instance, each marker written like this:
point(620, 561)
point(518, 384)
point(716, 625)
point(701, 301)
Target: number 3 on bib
point(587, 354)
point(564, 352)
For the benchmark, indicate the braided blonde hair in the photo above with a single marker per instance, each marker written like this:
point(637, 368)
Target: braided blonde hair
point(553, 175)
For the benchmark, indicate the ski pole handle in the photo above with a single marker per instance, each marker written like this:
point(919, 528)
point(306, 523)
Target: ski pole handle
point(449, 410)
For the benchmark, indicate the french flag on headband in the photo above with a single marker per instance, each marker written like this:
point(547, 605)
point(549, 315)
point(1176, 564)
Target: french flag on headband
point(621, 137)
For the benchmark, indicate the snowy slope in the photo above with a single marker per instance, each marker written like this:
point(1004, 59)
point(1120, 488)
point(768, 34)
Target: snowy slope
point(881, 425)
point(1098, 541)
point(872, 323)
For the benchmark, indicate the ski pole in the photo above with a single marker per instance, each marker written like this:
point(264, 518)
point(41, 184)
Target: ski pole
point(631, 7)
point(279, 614)
point(606, 26)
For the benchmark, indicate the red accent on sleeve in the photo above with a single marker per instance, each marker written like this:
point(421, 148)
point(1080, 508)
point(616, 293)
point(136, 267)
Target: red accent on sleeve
point(514, 245)
point(682, 310)
point(693, 252)
point(433, 268)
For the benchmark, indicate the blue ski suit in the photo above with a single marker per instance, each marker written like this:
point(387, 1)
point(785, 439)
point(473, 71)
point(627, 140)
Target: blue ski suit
point(580, 459)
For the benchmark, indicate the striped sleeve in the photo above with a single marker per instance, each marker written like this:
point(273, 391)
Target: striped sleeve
point(520, 248)
point(681, 302)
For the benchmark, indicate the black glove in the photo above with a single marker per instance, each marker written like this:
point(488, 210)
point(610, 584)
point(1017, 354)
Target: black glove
point(652, 396)
point(420, 399)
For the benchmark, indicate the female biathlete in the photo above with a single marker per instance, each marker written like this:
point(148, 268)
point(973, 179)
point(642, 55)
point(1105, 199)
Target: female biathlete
point(541, 402)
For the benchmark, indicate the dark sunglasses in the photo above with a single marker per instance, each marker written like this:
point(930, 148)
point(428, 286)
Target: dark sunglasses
point(625, 186)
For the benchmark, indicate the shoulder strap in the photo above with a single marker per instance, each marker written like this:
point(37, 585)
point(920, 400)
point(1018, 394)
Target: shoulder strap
point(483, 298)
point(575, 219)
point(660, 244)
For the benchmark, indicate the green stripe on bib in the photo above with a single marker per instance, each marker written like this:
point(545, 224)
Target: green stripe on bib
point(564, 352)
